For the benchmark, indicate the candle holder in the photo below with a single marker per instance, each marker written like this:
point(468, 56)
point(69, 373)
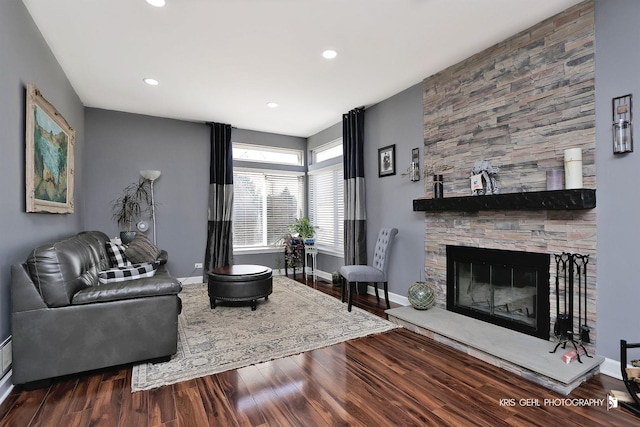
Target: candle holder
point(622, 127)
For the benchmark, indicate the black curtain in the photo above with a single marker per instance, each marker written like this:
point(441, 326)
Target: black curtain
point(355, 218)
point(219, 235)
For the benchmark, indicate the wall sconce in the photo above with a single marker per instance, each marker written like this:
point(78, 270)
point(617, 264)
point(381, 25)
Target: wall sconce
point(622, 129)
point(414, 168)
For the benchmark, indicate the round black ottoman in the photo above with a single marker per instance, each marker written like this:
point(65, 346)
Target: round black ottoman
point(240, 283)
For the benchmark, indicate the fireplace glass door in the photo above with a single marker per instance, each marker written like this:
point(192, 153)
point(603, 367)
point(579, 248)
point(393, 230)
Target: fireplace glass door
point(500, 287)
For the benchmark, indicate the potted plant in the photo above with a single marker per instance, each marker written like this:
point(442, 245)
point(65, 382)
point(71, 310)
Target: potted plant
point(304, 229)
point(134, 199)
point(293, 252)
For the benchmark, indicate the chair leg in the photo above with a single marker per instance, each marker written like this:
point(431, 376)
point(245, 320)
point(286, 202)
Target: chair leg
point(386, 294)
point(343, 283)
point(375, 285)
point(352, 289)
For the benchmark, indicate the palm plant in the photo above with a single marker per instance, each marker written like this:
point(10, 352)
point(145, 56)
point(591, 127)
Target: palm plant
point(132, 202)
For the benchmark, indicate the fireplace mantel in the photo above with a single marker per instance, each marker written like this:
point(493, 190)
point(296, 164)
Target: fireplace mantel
point(582, 198)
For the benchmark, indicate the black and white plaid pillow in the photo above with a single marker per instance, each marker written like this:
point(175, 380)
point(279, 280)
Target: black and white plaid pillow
point(123, 274)
point(117, 256)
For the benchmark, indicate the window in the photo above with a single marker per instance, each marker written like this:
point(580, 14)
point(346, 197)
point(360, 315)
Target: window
point(326, 206)
point(265, 204)
point(327, 151)
point(263, 154)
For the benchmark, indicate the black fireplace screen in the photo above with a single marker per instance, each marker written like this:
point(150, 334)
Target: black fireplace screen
point(506, 288)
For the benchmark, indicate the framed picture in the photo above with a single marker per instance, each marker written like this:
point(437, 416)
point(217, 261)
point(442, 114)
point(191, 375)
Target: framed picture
point(387, 161)
point(50, 143)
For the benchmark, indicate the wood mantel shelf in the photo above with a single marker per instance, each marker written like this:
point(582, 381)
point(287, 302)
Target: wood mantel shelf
point(582, 198)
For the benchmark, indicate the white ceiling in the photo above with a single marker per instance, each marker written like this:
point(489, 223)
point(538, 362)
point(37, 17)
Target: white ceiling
point(223, 60)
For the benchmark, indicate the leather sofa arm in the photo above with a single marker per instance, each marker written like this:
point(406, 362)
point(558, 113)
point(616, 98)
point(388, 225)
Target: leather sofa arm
point(24, 294)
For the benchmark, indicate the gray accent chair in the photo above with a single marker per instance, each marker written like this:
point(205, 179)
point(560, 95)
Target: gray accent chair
point(64, 322)
point(374, 273)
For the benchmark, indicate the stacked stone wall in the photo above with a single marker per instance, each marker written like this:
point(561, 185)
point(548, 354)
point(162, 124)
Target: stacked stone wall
point(518, 104)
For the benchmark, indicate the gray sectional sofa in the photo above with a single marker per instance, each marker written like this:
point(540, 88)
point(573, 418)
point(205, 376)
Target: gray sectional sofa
point(65, 321)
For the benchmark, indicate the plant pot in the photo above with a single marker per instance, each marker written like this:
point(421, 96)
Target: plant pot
point(127, 236)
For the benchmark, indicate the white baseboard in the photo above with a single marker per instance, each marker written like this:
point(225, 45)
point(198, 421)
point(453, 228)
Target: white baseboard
point(5, 386)
point(190, 280)
point(611, 368)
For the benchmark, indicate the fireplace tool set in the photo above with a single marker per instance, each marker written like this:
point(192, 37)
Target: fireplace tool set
point(570, 267)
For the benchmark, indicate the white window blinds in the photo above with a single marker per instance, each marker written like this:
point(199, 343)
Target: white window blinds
point(326, 206)
point(264, 205)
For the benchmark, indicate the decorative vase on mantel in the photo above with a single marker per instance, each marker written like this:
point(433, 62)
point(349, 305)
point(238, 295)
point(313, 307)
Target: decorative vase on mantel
point(438, 186)
point(421, 296)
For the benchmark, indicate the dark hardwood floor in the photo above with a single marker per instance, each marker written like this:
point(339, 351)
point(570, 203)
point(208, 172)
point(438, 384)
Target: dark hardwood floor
point(397, 378)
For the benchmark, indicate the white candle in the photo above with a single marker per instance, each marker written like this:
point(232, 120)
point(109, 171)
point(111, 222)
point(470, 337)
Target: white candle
point(573, 168)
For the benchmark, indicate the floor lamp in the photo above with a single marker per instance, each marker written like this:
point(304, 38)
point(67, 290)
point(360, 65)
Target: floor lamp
point(152, 175)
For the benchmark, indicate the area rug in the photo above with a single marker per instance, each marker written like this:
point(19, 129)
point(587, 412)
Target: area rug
point(295, 318)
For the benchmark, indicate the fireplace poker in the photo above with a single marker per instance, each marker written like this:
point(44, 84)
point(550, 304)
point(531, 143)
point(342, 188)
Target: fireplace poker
point(562, 327)
point(584, 331)
point(579, 271)
point(557, 288)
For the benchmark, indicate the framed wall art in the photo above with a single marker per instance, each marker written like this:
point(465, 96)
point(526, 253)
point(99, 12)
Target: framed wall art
point(50, 143)
point(387, 161)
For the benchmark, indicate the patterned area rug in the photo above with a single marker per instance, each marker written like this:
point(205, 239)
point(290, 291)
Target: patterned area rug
point(295, 318)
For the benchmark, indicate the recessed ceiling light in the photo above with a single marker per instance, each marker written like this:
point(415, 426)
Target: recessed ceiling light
point(151, 82)
point(272, 104)
point(156, 3)
point(329, 54)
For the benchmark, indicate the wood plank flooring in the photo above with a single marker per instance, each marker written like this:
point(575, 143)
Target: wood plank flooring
point(397, 378)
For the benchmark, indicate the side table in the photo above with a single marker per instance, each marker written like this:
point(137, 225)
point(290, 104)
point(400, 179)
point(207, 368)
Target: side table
point(313, 251)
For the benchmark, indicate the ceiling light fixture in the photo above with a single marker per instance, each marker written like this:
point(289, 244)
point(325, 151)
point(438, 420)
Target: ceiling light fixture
point(329, 54)
point(151, 82)
point(272, 104)
point(156, 3)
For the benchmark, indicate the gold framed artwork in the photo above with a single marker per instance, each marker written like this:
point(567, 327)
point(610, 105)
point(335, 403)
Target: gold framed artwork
point(50, 143)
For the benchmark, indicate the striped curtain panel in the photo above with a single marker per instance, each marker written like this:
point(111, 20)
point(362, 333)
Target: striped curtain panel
point(219, 236)
point(355, 218)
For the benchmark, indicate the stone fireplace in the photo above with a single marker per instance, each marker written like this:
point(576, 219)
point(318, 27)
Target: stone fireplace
point(518, 104)
point(506, 288)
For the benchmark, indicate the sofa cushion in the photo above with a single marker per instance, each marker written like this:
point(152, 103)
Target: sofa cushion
point(141, 249)
point(123, 274)
point(116, 252)
point(161, 284)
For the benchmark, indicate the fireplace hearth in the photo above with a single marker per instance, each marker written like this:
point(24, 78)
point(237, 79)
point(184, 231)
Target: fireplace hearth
point(502, 287)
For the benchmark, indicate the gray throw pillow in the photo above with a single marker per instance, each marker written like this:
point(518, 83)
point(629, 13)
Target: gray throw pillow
point(141, 250)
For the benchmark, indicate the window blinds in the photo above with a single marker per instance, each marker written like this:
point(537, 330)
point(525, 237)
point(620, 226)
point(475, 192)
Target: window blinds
point(326, 206)
point(264, 205)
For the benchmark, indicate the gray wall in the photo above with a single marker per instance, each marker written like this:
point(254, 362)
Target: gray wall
point(119, 145)
point(397, 120)
point(618, 228)
point(26, 58)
